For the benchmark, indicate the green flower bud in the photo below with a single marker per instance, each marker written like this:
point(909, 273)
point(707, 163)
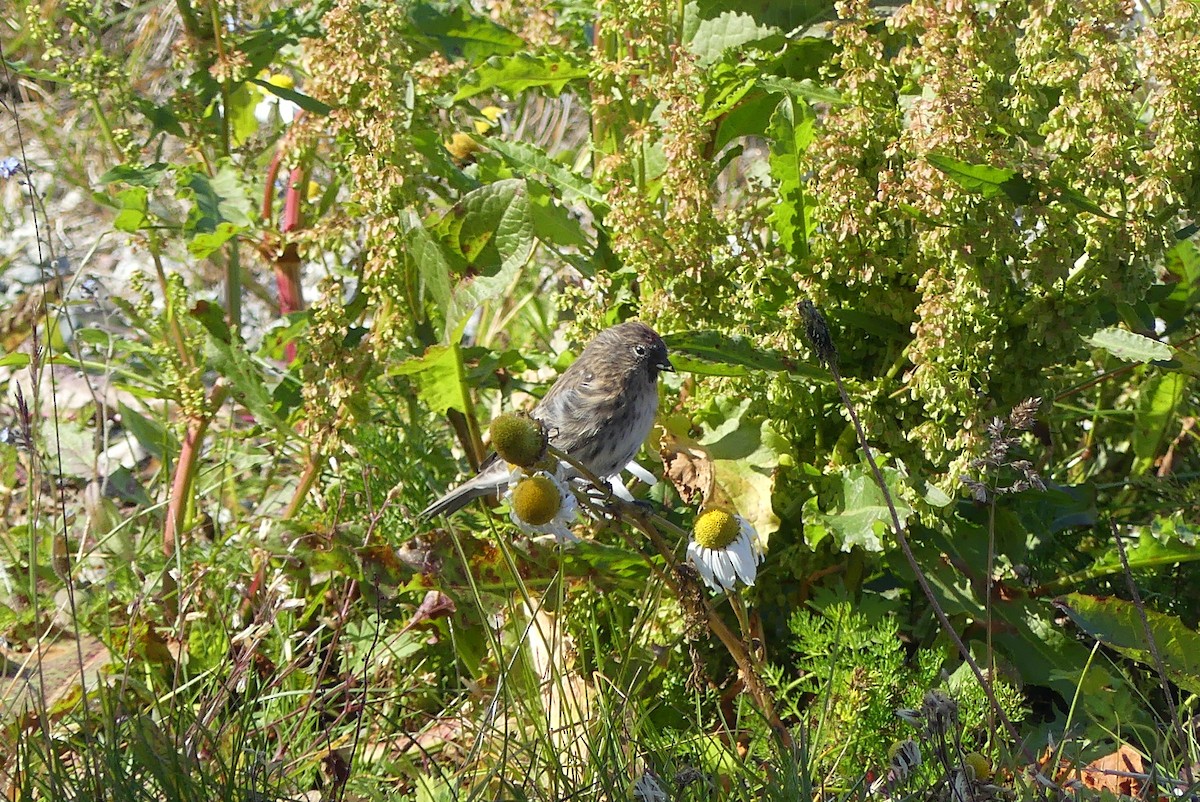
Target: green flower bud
point(518, 439)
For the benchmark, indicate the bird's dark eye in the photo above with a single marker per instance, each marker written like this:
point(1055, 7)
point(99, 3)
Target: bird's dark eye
point(640, 350)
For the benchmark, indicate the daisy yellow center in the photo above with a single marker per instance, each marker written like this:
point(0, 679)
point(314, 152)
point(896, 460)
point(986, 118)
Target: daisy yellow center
point(517, 439)
point(282, 80)
point(716, 529)
point(536, 500)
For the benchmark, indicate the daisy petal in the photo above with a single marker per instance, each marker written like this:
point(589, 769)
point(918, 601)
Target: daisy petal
point(742, 560)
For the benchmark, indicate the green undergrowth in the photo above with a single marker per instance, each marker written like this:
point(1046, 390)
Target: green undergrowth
point(928, 276)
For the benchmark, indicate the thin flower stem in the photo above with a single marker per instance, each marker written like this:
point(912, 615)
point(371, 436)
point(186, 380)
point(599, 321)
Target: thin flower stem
point(1159, 665)
point(648, 523)
point(818, 335)
point(922, 581)
point(645, 522)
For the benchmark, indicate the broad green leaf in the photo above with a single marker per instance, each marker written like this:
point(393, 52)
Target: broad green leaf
point(1117, 623)
point(240, 113)
point(805, 89)
point(514, 231)
point(490, 227)
point(529, 158)
point(157, 439)
point(1073, 197)
point(460, 34)
point(728, 85)
point(1183, 260)
point(735, 463)
point(212, 318)
point(221, 197)
point(711, 353)
point(982, 178)
point(149, 176)
point(425, 252)
point(1145, 553)
point(748, 118)
point(710, 38)
point(1159, 398)
point(134, 202)
point(861, 516)
point(552, 222)
point(494, 225)
point(440, 378)
point(1129, 346)
point(162, 117)
point(309, 104)
point(791, 132)
point(515, 74)
point(1024, 630)
point(205, 244)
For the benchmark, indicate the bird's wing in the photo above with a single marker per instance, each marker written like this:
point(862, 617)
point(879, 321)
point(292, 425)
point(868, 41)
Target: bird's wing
point(569, 410)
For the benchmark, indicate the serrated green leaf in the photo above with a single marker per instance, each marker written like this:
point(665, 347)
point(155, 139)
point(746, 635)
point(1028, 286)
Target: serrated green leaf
point(515, 74)
point(1129, 346)
point(710, 38)
point(440, 378)
point(529, 158)
point(1118, 624)
point(861, 516)
point(791, 132)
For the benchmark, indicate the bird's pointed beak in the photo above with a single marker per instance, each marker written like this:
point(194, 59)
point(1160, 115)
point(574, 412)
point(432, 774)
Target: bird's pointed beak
point(666, 365)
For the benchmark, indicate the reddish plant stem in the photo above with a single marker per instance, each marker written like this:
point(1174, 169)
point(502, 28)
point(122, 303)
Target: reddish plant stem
point(278, 248)
point(182, 481)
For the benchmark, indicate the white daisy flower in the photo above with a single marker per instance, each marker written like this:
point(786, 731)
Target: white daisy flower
point(542, 504)
point(724, 549)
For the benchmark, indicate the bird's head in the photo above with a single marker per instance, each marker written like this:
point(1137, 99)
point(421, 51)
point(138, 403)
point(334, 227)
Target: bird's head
point(636, 346)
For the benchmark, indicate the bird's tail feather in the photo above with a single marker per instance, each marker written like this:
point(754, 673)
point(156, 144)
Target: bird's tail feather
point(486, 483)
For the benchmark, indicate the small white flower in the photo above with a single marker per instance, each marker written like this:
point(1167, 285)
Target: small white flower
point(724, 549)
point(534, 494)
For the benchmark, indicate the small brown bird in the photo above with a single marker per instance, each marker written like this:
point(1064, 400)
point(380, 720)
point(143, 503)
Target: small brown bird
point(599, 411)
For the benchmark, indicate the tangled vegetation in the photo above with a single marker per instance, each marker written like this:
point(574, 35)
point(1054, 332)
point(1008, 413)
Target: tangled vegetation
point(928, 276)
